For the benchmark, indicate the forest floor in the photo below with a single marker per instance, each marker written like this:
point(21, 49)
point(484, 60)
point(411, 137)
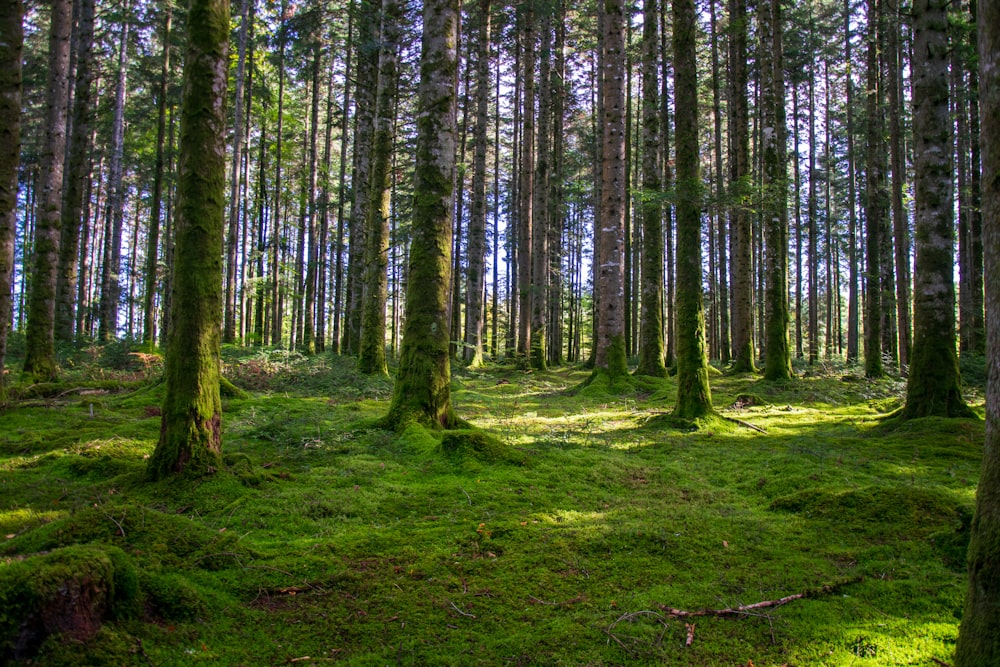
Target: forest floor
point(328, 541)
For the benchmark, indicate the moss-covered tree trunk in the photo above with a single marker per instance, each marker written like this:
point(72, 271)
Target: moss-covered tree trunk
point(11, 46)
point(40, 361)
point(191, 425)
point(777, 355)
point(474, 311)
point(77, 173)
point(422, 391)
point(371, 358)
point(933, 387)
point(609, 288)
point(694, 398)
point(651, 341)
point(979, 633)
point(739, 172)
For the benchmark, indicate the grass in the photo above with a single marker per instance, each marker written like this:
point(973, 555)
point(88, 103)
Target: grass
point(328, 541)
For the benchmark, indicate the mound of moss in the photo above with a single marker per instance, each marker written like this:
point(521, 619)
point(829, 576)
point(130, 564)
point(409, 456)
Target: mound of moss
point(68, 592)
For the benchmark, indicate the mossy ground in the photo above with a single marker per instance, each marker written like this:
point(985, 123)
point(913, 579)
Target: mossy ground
point(348, 544)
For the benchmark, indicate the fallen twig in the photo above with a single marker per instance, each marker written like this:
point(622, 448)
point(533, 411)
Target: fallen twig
point(747, 608)
point(690, 637)
point(463, 613)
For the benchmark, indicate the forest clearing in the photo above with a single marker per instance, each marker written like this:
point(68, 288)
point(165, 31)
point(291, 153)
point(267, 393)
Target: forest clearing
point(327, 541)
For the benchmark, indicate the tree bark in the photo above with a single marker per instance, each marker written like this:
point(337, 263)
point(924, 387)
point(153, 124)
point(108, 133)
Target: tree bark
point(651, 341)
point(900, 225)
point(232, 247)
point(156, 210)
point(694, 399)
point(777, 356)
point(111, 269)
point(933, 387)
point(77, 174)
point(422, 391)
point(473, 353)
point(371, 359)
point(874, 196)
point(979, 634)
point(852, 229)
point(11, 47)
point(739, 169)
point(40, 362)
point(191, 423)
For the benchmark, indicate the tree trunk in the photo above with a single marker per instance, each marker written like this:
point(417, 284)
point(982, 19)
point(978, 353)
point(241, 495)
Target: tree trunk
point(979, 633)
point(277, 312)
point(77, 174)
point(777, 359)
point(371, 359)
point(11, 46)
point(609, 285)
point(874, 208)
point(651, 323)
point(364, 128)
point(739, 172)
point(191, 425)
point(338, 269)
point(540, 207)
point(40, 362)
point(694, 399)
point(813, 210)
point(422, 391)
point(725, 353)
point(933, 387)
point(852, 230)
point(526, 187)
point(156, 211)
point(111, 269)
point(473, 351)
point(229, 326)
point(900, 225)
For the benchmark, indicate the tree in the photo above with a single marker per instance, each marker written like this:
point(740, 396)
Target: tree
point(874, 200)
point(191, 423)
point(979, 633)
point(115, 202)
point(651, 341)
point(477, 216)
point(152, 246)
point(933, 386)
point(371, 358)
point(422, 390)
point(609, 343)
point(40, 361)
point(694, 398)
point(739, 170)
point(229, 326)
point(11, 45)
point(78, 173)
point(777, 356)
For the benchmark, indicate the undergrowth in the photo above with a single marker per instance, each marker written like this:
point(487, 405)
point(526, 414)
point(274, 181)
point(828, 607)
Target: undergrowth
point(561, 539)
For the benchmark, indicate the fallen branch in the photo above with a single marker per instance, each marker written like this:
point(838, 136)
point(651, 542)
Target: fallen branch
point(744, 424)
point(690, 637)
point(747, 608)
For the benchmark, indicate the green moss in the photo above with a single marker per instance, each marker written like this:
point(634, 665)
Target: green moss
point(478, 445)
point(72, 591)
point(172, 597)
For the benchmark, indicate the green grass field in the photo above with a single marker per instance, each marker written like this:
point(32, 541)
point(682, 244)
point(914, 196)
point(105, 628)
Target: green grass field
point(328, 541)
